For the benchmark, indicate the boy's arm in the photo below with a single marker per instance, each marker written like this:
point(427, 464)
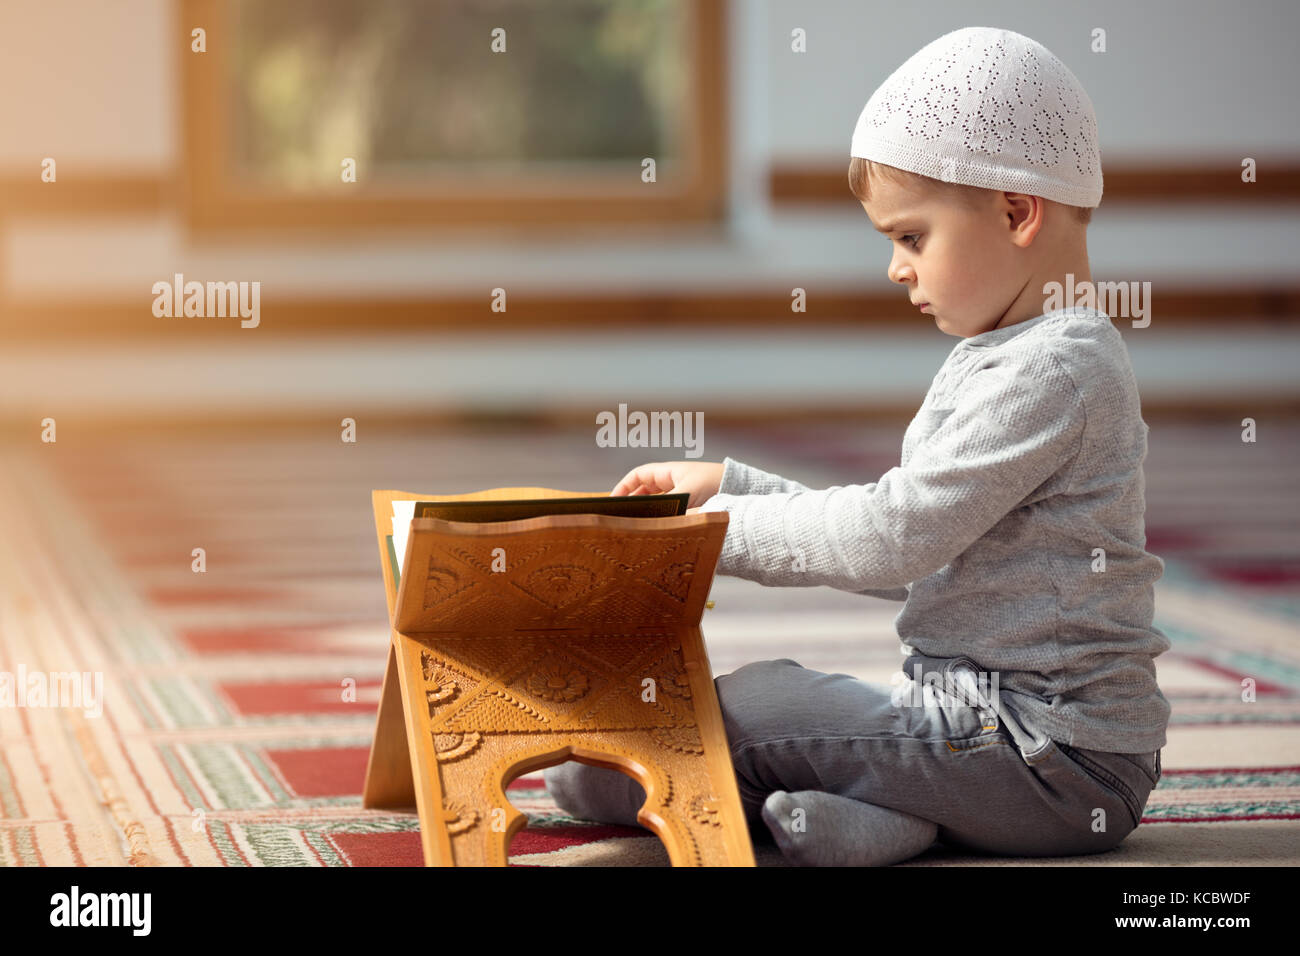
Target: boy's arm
point(1010, 431)
point(739, 478)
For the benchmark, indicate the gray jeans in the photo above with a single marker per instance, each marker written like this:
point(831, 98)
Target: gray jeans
point(990, 783)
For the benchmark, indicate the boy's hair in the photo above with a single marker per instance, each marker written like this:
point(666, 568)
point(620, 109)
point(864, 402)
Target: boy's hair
point(861, 170)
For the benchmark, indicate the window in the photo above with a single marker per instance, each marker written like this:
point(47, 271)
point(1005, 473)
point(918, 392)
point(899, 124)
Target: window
point(452, 113)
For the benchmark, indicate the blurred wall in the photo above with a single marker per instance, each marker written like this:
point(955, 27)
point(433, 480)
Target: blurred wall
point(94, 85)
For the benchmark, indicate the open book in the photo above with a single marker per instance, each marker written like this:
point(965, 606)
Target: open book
point(624, 506)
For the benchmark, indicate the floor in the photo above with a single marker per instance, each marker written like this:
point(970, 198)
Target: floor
point(224, 738)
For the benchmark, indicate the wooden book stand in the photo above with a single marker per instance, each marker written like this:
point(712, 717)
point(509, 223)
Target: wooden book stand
point(521, 644)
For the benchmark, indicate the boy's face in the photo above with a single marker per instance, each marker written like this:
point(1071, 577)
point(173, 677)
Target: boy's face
point(957, 256)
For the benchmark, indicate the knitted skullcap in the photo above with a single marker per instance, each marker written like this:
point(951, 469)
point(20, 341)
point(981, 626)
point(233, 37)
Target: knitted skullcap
point(991, 108)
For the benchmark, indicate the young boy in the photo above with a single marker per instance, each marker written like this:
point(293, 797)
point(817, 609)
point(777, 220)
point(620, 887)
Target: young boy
point(1012, 529)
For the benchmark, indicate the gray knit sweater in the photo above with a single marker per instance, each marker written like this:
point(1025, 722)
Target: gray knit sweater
point(1020, 475)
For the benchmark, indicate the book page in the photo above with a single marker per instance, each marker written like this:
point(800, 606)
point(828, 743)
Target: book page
point(403, 512)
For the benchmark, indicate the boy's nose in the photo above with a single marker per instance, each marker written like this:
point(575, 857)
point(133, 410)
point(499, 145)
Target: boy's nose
point(899, 272)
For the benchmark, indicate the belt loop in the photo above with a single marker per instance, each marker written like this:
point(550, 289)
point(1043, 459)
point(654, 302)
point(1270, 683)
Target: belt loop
point(1157, 766)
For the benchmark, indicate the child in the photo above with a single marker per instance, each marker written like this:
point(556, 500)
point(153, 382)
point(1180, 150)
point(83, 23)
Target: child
point(1031, 722)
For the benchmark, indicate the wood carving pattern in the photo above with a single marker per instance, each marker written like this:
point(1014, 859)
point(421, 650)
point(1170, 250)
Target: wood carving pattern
point(443, 683)
point(485, 562)
point(684, 740)
point(549, 587)
point(548, 656)
point(439, 684)
point(459, 817)
point(569, 684)
point(619, 607)
point(559, 585)
point(629, 556)
point(454, 746)
point(442, 585)
point(673, 687)
point(499, 711)
point(666, 787)
point(675, 580)
point(688, 838)
point(674, 681)
point(623, 653)
point(705, 809)
point(556, 683)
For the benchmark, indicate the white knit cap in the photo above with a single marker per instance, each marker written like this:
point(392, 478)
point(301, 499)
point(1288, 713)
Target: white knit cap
point(990, 108)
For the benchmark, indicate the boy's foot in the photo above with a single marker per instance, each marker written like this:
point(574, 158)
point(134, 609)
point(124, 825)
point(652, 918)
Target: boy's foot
point(813, 828)
point(600, 794)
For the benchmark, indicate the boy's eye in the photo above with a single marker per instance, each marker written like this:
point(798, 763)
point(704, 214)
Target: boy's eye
point(913, 236)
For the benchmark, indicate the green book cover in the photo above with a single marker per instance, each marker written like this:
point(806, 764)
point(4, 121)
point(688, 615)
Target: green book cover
point(392, 560)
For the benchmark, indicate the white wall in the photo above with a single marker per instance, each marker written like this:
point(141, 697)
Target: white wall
point(1180, 79)
point(90, 83)
point(95, 82)
point(95, 85)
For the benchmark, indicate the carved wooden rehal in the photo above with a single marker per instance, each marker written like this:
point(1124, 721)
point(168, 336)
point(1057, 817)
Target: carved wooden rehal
point(586, 647)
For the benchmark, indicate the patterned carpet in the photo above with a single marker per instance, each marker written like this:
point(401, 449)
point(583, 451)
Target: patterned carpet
point(226, 738)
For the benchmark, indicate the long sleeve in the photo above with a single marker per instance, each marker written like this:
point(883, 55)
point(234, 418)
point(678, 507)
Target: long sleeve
point(739, 478)
point(1008, 433)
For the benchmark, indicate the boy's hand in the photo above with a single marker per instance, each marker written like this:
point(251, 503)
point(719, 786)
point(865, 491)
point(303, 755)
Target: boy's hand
point(700, 479)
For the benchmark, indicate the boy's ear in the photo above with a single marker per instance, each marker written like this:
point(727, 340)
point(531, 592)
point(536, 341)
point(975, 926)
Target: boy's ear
point(1025, 215)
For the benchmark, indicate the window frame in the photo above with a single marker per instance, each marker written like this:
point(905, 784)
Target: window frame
point(213, 202)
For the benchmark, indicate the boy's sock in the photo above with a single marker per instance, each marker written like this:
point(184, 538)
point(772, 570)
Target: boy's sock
point(837, 831)
point(595, 793)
